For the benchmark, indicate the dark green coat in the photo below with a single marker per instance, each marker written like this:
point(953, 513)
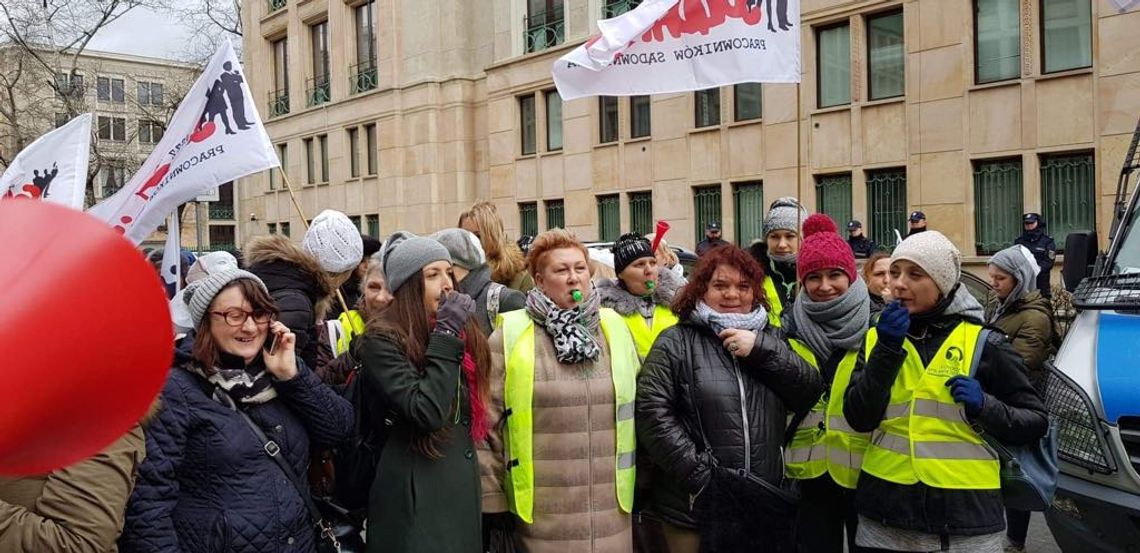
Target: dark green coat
point(416, 504)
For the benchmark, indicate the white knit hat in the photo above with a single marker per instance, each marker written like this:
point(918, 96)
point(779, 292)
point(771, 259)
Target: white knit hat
point(334, 241)
point(936, 254)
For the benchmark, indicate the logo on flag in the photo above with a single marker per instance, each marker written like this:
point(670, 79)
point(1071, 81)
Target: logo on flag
point(665, 46)
point(52, 168)
point(195, 155)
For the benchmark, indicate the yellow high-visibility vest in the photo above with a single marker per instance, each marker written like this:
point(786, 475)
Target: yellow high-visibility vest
point(776, 307)
point(353, 325)
point(518, 392)
point(925, 436)
point(824, 443)
point(643, 335)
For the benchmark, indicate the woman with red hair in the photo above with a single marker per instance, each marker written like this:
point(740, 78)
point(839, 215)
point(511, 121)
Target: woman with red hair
point(712, 403)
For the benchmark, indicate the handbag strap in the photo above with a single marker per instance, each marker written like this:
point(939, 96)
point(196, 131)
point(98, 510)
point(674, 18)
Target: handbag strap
point(273, 450)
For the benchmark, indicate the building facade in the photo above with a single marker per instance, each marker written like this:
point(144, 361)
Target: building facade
point(404, 113)
point(131, 99)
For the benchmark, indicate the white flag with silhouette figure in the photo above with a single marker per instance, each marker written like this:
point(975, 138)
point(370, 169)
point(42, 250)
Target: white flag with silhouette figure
point(214, 137)
point(53, 168)
point(665, 46)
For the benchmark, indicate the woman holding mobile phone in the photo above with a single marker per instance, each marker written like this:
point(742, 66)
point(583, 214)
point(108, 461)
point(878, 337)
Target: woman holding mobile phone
point(209, 482)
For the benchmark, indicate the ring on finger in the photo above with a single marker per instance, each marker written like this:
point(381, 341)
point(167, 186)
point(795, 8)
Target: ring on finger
point(733, 346)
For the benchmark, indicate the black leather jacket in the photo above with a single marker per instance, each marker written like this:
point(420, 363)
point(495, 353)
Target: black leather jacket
point(741, 403)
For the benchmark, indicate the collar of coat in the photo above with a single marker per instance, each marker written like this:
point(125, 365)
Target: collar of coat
point(616, 297)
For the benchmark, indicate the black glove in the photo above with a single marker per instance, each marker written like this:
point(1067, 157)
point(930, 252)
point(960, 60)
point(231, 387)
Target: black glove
point(893, 324)
point(455, 309)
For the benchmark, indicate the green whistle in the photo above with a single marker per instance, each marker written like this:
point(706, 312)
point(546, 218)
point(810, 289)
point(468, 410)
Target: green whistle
point(649, 285)
point(577, 295)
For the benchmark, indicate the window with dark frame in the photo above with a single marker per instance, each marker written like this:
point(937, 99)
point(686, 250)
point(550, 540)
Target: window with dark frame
point(354, 152)
point(706, 107)
point(641, 212)
point(833, 65)
point(553, 121)
point(998, 204)
point(555, 214)
point(323, 143)
point(609, 217)
point(528, 218)
point(310, 162)
point(748, 209)
point(529, 124)
point(370, 143)
point(706, 208)
point(1068, 193)
point(746, 101)
point(997, 40)
point(1066, 35)
point(886, 56)
point(608, 130)
point(640, 116)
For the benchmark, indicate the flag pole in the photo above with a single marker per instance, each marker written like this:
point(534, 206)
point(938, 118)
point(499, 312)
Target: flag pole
point(305, 222)
point(799, 167)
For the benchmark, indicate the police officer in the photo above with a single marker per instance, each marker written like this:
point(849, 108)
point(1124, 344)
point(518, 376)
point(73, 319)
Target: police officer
point(917, 222)
point(861, 246)
point(712, 238)
point(1043, 248)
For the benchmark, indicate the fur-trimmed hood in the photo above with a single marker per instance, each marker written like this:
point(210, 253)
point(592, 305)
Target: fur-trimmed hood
point(276, 258)
point(616, 297)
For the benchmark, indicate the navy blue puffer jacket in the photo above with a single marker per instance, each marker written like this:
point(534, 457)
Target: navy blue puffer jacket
point(208, 486)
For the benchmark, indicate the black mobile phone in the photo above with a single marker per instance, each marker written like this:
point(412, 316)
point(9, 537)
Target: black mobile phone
point(271, 343)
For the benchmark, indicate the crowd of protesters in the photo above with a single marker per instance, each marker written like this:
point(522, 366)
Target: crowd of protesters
point(500, 395)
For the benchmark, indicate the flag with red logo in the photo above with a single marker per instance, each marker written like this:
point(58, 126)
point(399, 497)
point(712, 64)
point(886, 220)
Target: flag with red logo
point(664, 46)
point(214, 137)
point(53, 168)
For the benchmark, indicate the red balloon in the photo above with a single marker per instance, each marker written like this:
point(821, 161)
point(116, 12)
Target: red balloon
point(85, 336)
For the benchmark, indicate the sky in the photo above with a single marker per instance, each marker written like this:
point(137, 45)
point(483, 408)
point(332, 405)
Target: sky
point(142, 32)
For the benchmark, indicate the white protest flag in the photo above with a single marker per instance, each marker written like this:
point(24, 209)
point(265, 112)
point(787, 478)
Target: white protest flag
point(664, 46)
point(214, 137)
point(54, 167)
point(172, 253)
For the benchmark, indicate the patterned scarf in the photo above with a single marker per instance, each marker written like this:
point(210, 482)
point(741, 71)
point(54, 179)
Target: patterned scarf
point(705, 316)
point(242, 387)
point(572, 329)
point(837, 324)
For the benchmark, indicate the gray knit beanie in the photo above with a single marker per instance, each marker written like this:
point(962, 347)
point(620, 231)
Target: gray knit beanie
point(199, 294)
point(936, 254)
point(409, 257)
point(334, 241)
point(464, 247)
point(784, 214)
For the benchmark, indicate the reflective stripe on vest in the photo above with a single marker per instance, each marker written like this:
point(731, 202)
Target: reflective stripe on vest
point(353, 324)
point(824, 442)
point(519, 351)
point(775, 306)
point(925, 436)
point(643, 335)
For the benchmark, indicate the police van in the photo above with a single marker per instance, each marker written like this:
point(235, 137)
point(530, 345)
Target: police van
point(1093, 391)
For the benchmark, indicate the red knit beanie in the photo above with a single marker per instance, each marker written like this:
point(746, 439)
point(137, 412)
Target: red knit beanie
point(824, 249)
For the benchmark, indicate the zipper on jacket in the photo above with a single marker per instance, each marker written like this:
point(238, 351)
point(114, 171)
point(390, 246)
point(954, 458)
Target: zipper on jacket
point(743, 418)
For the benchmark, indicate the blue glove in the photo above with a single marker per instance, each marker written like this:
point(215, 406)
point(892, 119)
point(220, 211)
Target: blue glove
point(968, 391)
point(893, 324)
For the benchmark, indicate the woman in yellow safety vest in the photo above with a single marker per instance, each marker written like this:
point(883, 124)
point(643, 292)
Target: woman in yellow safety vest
point(712, 404)
point(563, 380)
point(641, 293)
point(827, 326)
point(932, 379)
point(777, 255)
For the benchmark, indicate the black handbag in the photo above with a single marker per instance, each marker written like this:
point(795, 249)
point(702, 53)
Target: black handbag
point(739, 511)
point(327, 540)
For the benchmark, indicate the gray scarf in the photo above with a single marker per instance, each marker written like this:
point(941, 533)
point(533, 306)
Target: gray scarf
point(573, 329)
point(837, 324)
point(719, 322)
point(966, 305)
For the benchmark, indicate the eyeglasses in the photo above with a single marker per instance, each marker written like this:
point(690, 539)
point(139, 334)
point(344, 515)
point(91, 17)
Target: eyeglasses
point(237, 317)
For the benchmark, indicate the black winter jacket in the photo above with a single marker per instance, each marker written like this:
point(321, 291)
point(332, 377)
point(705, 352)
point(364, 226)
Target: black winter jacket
point(690, 376)
point(299, 286)
point(207, 485)
point(1013, 413)
point(783, 274)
